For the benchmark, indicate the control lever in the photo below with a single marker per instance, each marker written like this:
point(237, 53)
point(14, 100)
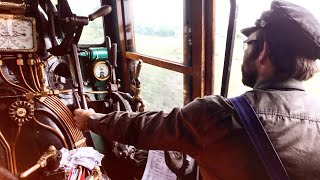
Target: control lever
point(73, 26)
point(138, 71)
point(108, 44)
point(135, 87)
point(113, 59)
point(103, 11)
point(51, 153)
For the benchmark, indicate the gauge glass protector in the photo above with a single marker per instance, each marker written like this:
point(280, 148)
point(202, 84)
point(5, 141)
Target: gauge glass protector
point(101, 71)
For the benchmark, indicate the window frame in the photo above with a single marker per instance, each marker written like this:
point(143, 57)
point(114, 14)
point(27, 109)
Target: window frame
point(200, 63)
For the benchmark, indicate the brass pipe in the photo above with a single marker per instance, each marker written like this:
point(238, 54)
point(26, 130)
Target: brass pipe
point(8, 58)
point(12, 84)
point(13, 150)
point(97, 92)
point(60, 115)
point(67, 112)
point(54, 131)
point(30, 170)
point(42, 162)
point(7, 149)
point(76, 134)
point(57, 111)
point(24, 79)
point(33, 79)
point(13, 96)
point(65, 91)
point(37, 59)
point(37, 77)
point(43, 86)
point(57, 102)
point(42, 72)
point(80, 142)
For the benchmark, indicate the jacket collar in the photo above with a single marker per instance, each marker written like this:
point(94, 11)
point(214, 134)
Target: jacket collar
point(287, 85)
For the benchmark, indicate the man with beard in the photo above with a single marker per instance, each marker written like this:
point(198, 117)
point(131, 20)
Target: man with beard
point(281, 51)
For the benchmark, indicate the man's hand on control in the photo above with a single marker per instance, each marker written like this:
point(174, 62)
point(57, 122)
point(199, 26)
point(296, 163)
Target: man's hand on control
point(81, 118)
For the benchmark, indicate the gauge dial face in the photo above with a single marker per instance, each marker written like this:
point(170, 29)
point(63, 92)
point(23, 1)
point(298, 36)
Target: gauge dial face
point(101, 71)
point(17, 34)
point(3, 34)
point(22, 35)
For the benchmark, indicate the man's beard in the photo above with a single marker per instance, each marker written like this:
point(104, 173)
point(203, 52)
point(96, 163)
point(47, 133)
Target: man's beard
point(249, 72)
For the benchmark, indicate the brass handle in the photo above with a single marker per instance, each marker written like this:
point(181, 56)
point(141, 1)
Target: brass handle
point(42, 161)
point(29, 171)
point(103, 11)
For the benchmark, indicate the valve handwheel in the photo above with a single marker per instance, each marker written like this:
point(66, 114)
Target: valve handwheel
point(21, 112)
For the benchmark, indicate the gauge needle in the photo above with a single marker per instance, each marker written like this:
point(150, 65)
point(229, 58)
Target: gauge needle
point(15, 33)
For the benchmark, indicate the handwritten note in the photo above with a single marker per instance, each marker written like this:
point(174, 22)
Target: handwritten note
point(156, 168)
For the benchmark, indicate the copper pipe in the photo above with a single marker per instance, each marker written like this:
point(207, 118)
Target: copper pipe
point(66, 110)
point(12, 84)
point(13, 150)
point(61, 110)
point(43, 79)
point(7, 149)
point(13, 96)
point(24, 79)
point(56, 110)
point(33, 79)
point(80, 142)
point(66, 117)
point(59, 113)
point(10, 5)
point(77, 134)
point(37, 77)
point(53, 131)
point(37, 59)
point(9, 58)
point(57, 101)
point(39, 63)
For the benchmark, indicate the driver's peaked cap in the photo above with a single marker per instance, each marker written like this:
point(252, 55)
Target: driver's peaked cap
point(290, 26)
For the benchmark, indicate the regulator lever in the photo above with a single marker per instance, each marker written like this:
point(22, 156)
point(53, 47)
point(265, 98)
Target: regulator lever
point(103, 11)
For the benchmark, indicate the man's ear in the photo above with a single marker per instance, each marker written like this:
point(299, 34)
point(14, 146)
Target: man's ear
point(264, 52)
point(264, 65)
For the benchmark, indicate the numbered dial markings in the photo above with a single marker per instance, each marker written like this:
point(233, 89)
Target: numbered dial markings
point(101, 70)
point(22, 35)
point(17, 34)
point(3, 35)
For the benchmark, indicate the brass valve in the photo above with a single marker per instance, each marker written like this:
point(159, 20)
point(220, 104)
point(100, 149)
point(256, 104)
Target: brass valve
point(42, 162)
point(96, 173)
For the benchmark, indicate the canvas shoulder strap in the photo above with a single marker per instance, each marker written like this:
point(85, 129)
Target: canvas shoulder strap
point(259, 138)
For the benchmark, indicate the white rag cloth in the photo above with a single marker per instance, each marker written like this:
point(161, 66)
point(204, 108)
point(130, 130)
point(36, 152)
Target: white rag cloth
point(84, 156)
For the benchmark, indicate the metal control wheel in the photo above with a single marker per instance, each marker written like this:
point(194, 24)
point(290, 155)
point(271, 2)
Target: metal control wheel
point(21, 112)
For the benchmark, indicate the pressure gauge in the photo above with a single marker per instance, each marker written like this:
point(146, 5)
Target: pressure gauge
point(101, 70)
point(17, 34)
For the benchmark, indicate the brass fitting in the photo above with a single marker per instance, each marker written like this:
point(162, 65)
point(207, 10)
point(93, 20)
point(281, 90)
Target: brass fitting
point(20, 62)
point(42, 162)
point(96, 173)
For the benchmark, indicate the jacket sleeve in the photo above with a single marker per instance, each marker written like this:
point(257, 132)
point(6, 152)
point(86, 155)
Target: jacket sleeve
point(183, 130)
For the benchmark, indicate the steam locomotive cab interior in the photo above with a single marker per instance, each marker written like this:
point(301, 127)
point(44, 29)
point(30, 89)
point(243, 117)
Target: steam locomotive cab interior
point(109, 55)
